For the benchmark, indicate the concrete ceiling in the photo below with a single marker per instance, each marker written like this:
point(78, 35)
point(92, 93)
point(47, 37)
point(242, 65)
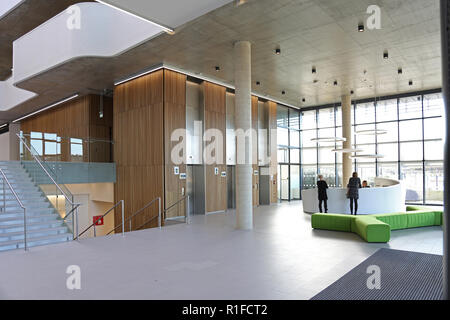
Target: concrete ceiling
point(22, 19)
point(320, 33)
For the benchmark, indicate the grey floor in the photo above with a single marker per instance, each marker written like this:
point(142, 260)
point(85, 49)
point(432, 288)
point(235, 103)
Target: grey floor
point(283, 258)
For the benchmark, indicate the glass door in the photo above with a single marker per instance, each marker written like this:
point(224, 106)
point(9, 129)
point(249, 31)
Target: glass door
point(284, 182)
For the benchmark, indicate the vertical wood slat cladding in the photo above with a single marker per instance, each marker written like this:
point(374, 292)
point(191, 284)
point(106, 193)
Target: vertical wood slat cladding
point(139, 148)
point(77, 118)
point(174, 118)
point(215, 118)
point(272, 107)
point(255, 151)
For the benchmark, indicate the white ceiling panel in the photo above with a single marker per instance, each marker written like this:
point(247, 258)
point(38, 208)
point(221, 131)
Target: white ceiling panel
point(169, 13)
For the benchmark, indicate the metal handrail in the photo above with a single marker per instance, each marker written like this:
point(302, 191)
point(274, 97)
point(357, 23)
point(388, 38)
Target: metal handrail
point(5, 179)
point(138, 212)
point(173, 205)
point(75, 206)
point(45, 170)
point(121, 202)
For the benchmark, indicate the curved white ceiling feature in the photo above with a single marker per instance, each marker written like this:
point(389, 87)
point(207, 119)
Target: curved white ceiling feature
point(83, 30)
point(11, 96)
point(170, 13)
point(6, 6)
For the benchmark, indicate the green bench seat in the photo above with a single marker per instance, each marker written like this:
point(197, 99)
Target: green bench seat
point(377, 228)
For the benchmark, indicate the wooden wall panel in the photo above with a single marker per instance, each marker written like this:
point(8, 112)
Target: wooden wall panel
point(215, 118)
point(174, 118)
point(255, 151)
point(78, 118)
point(139, 148)
point(272, 106)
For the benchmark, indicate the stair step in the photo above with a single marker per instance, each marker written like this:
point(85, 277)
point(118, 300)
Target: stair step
point(18, 219)
point(19, 244)
point(34, 212)
point(30, 226)
point(16, 207)
point(32, 234)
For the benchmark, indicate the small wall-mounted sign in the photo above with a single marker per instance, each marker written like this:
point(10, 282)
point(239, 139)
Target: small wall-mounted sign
point(98, 220)
point(256, 172)
point(216, 171)
point(183, 176)
point(224, 174)
point(176, 170)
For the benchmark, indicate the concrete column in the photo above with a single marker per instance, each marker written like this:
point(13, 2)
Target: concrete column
point(243, 121)
point(347, 166)
point(445, 40)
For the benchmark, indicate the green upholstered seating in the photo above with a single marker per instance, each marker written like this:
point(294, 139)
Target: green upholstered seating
point(377, 228)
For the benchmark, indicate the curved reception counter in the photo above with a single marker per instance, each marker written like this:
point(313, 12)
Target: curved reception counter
point(388, 196)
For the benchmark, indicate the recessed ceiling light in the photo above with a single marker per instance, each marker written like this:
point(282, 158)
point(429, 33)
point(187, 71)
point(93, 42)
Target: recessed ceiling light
point(352, 92)
point(283, 92)
point(361, 27)
point(386, 54)
point(411, 82)
point(314, 70)
point(258, 83)
point(335, 83)
point(217, 68)
point(278, 51)
point(400, 71)
point(303, 100)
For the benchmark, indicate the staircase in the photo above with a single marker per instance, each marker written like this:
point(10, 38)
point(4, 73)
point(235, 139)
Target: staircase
point(44, 225)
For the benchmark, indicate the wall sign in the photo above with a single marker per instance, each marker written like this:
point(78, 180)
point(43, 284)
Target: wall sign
point(182, 176)
point(216, 171)
point(256, 172)
point(224, 174)
point(176, 170)
point(98, 220)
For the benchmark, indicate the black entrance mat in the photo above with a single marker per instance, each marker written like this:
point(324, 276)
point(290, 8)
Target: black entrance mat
point(404, 275)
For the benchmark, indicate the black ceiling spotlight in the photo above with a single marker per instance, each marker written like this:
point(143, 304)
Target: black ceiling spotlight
point(278, 51)
point(335, 82)
point(217, 68)
point(400, 71)
point(314, 70)
point(386, 54)
point(258, 83)
point(303, 100)
point(352, 92)
point(411, 82)
point(283, 92)
point(361, 27)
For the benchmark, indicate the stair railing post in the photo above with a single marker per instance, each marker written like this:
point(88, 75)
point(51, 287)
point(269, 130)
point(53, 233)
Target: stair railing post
point(4, 195)
point(25, 228)
point(123, 217)
point(188, 213)
point(76, 217)
point(159, 214)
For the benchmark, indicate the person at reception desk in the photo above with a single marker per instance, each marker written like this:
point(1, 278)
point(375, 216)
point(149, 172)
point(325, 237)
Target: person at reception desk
point(365, 184)
point(322, 187)
point(353, 187)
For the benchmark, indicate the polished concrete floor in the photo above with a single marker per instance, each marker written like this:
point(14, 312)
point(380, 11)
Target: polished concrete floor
point(283, 258)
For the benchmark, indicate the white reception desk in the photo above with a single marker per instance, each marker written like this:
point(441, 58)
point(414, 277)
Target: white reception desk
point(388, 196)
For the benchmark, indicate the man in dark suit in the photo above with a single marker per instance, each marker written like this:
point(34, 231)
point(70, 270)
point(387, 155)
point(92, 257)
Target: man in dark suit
point(322, 187)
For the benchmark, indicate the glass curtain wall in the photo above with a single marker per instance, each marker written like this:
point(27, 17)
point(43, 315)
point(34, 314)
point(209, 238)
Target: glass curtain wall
point(411, 131)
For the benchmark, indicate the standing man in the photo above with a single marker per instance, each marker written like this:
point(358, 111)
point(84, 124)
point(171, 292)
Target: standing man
point(353, 192)
point(322, 187)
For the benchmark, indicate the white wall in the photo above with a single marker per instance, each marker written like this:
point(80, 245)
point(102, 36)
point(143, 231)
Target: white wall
point(4, 146)
point(9, 144)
